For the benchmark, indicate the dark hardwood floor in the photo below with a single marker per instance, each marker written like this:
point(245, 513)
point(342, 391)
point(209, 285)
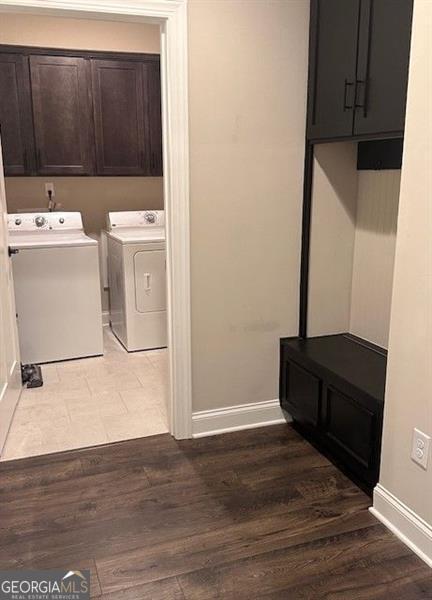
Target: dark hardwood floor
point(248, 515)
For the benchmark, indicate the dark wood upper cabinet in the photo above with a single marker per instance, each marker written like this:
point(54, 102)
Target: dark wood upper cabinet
point(332, 70)
point(62, 115)
point(15, 115)
point(152, 100)
point(76, 112)
point(118, 92)
point(382, 70)
point(358, 68)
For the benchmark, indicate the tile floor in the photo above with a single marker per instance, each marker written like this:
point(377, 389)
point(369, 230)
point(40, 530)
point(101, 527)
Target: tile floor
point(92, 401)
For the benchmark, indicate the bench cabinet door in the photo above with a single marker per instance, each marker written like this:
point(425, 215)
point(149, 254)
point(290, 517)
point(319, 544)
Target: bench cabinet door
point(300, 393)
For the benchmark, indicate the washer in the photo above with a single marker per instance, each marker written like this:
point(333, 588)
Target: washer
point(57, 287)
point(137, 278)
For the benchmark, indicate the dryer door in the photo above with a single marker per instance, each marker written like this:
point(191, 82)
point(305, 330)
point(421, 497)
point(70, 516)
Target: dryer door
point(150, 281)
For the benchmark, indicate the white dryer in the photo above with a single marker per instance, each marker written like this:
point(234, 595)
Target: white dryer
point(57, 287)
point(137, 278)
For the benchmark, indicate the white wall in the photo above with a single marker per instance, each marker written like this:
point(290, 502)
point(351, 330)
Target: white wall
point(78, 34)
point(94, 197)
point(353, 237)
point(333, 216)
point(409, 375)
point(248, 71)
point(374, 250)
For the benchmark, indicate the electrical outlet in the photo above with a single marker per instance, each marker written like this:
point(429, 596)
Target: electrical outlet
point(420, 448)
point(49, 187)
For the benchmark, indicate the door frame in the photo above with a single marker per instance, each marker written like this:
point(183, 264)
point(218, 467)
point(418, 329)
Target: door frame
point(171, 16)
point(11, 389)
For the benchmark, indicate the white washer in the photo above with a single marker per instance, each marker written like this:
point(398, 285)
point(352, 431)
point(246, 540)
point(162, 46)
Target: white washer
point(57, 287)
point(137, 278)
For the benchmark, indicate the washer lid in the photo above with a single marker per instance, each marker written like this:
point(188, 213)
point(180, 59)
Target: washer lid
point(138, 235)
point(49, 239)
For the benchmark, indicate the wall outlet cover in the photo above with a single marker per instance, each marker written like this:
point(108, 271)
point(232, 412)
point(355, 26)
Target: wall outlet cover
point(420, 448)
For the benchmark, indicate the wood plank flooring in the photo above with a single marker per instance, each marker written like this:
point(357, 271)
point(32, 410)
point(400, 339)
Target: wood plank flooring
point(247, 515)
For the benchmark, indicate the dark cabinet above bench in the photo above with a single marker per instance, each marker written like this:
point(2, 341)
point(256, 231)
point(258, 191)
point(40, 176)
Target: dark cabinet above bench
point(358, 68)
point(80, 113)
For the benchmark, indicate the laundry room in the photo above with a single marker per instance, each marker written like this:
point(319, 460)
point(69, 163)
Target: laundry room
point(80, 107)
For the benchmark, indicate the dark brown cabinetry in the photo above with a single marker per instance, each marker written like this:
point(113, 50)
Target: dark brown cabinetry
point(382, 68)
point(118, 94)
point(302, 393)
point(333, 387)
point(358, 73)
point(152, 96)
point(332, 56)
point(80, 113)
point(15, 115)
point(62, 115)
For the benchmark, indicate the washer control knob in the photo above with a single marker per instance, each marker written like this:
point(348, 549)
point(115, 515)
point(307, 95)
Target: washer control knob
point(150, 217)
point(18, 221)
point(61, 220)
point(40, 221)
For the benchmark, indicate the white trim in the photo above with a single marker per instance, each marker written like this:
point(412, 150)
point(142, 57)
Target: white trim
point(235, 418)
point(9, 396)
point(411, 529)
point(176, 194)
point(172, 17)
point(156, 10)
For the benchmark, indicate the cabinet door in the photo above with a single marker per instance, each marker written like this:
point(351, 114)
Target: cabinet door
point(300, 394)
point(119, 117)
point(332, 70)
point(353, 433)
point(16, 115)
point(350, 425)
point(152, 100)
point(62, 115)
point(382, 73)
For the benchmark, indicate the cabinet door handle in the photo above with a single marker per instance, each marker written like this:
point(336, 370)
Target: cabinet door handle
point(361, 95)
point(348, 86)
point(148, 280)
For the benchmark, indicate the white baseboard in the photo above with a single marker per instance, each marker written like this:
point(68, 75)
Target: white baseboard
point(235, 418)
point(411, 529)
point(105, 318)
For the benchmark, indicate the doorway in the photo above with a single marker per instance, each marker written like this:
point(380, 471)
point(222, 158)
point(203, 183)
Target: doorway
point(154, 364)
